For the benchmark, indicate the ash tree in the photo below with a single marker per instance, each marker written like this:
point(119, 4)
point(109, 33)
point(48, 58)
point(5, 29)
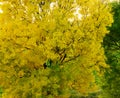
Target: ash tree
point(48, 52)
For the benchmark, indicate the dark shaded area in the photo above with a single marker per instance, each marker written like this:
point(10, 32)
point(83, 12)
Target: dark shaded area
point(111, 87)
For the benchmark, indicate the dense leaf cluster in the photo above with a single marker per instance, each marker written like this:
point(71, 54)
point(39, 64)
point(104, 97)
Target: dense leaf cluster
point(48, 52)
point(112, 50)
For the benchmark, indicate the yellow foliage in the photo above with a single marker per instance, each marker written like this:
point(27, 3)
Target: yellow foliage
point(43, 54)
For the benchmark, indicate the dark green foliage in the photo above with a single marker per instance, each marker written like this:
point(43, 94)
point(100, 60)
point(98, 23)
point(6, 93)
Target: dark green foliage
point(112, 50)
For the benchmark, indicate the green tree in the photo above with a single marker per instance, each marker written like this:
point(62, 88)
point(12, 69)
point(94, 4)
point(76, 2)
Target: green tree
point(111, 88)
point(43, 54)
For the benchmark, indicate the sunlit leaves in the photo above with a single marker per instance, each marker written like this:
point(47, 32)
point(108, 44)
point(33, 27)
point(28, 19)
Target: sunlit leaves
point(43, 54)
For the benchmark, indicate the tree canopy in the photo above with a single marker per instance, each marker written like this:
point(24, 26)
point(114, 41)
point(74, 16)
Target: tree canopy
point(45, 55)
point(112, 51)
